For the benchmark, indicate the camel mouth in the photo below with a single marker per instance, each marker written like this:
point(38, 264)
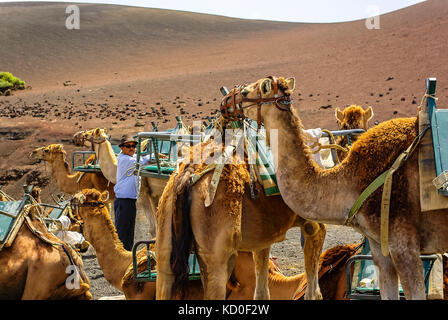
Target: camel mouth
point(33, 157)
point(79, 138)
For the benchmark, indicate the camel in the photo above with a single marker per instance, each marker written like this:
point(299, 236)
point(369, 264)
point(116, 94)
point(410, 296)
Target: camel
point(245, 224)
point(332, 277)
point(117, 266)
point(115, 261)
point(66, 181)
point(327, 196)
point(352, 117)
point(36, 265)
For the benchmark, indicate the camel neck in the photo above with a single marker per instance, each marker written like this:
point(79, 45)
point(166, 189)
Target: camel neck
point(112, 257)
point(305, 187)
point(107, 160)
point(65, 180)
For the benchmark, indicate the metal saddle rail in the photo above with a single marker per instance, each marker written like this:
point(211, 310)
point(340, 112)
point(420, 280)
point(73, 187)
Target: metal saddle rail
point(373, 293)
point(83, 167)
point(12, 216)
point(161, 169)
point(341, 133)
point(149, 274)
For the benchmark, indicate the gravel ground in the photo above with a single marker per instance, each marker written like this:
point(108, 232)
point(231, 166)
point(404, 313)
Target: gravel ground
point(288, 252)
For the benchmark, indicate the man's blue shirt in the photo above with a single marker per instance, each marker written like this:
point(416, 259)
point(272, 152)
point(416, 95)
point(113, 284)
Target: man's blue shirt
point(126, 186)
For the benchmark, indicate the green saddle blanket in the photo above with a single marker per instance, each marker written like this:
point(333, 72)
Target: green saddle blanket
point(264, 162)
point(11, 219)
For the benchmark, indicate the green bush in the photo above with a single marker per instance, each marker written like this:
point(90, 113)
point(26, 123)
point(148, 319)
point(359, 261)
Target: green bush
point(8, 81)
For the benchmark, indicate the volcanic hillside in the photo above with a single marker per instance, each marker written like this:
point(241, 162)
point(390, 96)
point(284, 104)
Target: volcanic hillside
point(126, 64)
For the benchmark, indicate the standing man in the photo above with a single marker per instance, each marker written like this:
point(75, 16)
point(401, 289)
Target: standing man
point(126, 191)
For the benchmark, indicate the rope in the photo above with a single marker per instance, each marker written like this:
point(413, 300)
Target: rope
point(7, 197)
point(424, 98)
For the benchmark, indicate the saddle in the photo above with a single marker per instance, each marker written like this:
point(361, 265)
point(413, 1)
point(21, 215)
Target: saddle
point(433, 153)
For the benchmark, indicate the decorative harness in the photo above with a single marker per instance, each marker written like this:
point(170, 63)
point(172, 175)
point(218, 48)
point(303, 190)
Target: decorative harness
point(232, 109)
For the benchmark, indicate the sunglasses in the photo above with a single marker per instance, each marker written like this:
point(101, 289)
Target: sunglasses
point(129, 146)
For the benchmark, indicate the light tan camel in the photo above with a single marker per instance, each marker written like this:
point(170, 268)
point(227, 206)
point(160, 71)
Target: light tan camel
point(233, 222)
point(115, 261)
point(328, 195)
point(332, 277)
point(66, 181)
point(35, 267)
point(352, 117)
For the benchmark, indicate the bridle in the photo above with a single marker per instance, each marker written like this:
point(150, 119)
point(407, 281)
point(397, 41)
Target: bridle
point(81, 138)
point(75, 204)
point(232, 109)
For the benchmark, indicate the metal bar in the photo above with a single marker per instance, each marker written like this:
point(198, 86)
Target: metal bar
point(344, 132)
point(352, 259)
point(169, 136)
point(134, 255)
point(156, 155)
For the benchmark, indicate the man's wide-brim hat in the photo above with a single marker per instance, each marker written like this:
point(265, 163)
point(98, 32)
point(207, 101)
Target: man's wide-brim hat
point(127, 138)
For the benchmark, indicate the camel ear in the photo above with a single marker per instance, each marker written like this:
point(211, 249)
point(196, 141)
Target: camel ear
point(105, 130)
point(96, 131)
point(80, 197)
point(368, 114)
point(339, 115)
point(266, 86)
point(104, 196)
point(291, 83)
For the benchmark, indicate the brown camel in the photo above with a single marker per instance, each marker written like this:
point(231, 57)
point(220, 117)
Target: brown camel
point(352, 117)
point(234, 221)
point(36, 265)
point(116, 263)
point(66, 181)
point(328, 195)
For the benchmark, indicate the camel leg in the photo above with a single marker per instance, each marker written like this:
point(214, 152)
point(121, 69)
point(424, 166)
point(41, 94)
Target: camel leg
point(314, 234)
point(215, 274)
point(149, 207)
point(409, 266)
point(261, 260)
point(387, 277)
point(164, 284)
point(165, 276)
point(151, 216)
point(144, 203)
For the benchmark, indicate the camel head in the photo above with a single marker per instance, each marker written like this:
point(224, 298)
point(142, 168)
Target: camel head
point(35, 193)
point(270, 93)
point(87, 201)
point(85, 138)
point(353, 117)
point(48, 153)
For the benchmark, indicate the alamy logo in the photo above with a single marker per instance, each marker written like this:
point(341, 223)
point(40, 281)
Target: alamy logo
point(73, 20)
point(72, 281)
point(373, 22)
